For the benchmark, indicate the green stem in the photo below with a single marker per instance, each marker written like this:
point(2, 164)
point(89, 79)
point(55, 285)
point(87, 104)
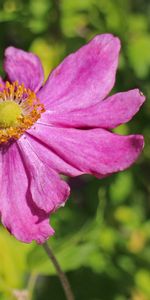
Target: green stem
point(63, 279)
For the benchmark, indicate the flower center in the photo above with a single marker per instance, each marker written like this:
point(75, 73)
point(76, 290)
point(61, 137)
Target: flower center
point(19, 110)
point(9, 113)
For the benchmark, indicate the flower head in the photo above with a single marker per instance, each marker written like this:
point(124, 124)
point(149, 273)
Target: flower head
point(61, 127)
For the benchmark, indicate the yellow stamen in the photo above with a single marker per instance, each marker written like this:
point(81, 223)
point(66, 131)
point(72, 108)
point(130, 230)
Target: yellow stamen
point(19, 110)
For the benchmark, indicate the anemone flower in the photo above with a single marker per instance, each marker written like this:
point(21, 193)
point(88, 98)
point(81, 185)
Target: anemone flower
point(60, 127)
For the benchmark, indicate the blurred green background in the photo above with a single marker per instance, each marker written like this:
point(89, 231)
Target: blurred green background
point(102, 235)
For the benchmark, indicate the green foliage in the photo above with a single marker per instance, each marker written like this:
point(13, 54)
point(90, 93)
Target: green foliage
point(103, 233)
point(13, 262)
point(122, 187)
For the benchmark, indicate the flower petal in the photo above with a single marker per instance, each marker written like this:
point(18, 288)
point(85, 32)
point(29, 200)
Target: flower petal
point(48, 191)
point(1, 80)
point(51, 159)
point(84, 77)
point(95, 151)
point(19, 214)
point(1, 83)
point(113, 111)
point(25, 67)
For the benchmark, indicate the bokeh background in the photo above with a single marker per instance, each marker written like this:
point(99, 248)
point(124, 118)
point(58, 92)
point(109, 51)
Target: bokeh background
point(102, 235)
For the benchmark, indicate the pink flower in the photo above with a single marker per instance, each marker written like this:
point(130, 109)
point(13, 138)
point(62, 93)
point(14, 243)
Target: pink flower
point(62, 127)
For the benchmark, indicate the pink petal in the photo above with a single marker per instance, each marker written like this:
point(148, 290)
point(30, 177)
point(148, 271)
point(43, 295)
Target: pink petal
point(1, 83)
point(1, 80)
point(115, 110)
point(25, 67)
point(51, 159)
point(84, 77)
point(94, 151)
point(48, 191)
point(19, 214)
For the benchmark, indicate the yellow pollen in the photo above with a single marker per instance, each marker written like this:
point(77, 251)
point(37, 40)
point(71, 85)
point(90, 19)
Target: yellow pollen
point(19, 110)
